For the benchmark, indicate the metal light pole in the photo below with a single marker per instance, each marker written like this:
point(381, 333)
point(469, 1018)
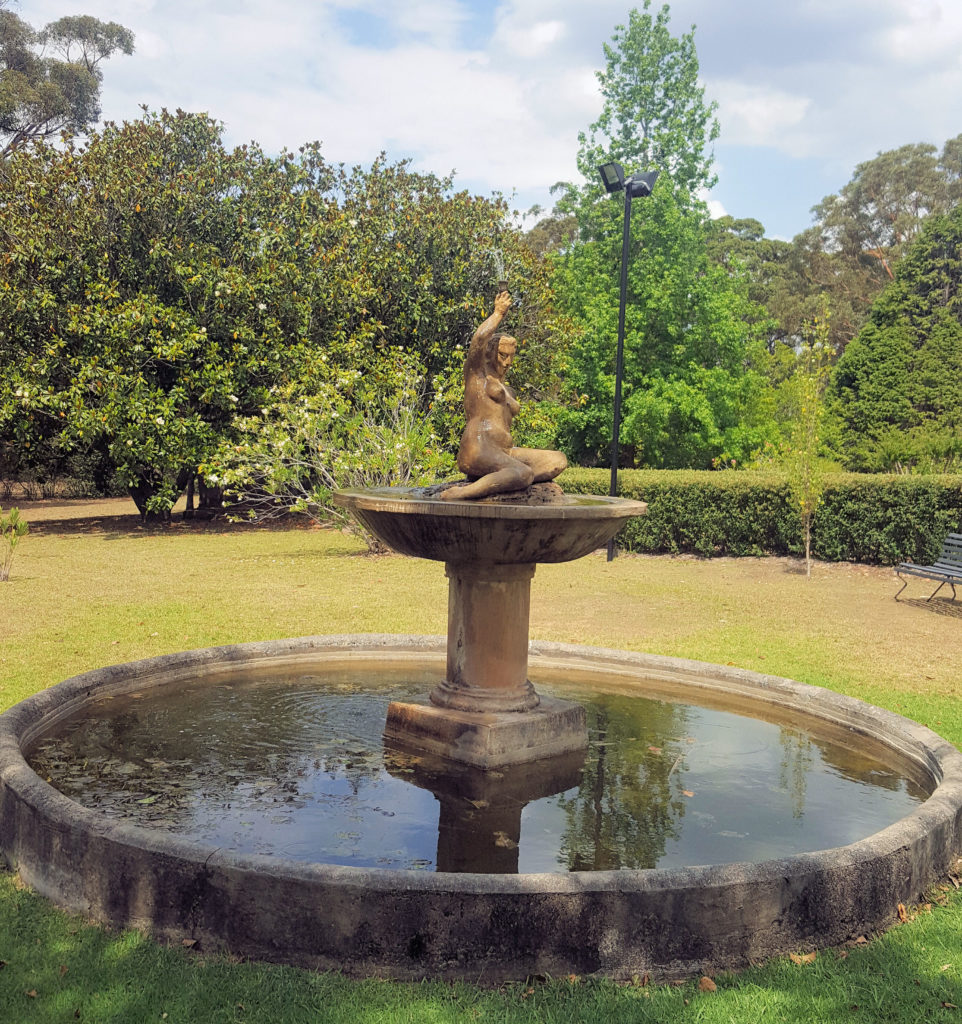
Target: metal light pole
point(639, 185)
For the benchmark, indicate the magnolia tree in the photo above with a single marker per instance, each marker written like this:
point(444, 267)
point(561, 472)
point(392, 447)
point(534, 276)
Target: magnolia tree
point(160, 291)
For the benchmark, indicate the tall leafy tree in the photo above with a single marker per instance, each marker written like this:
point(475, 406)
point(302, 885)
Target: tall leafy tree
point(654, 112)
point(897, 389)
point(876, 216)
point(50, 80)
point(691, 395)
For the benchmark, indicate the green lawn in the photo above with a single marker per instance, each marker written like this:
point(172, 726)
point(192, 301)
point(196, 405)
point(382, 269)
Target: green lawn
point(82, 599)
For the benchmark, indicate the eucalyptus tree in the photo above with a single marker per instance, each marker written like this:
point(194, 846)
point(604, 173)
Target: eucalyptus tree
point(50, 79)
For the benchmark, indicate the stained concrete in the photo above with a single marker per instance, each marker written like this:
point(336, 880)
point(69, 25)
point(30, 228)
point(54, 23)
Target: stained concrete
point(481, 927)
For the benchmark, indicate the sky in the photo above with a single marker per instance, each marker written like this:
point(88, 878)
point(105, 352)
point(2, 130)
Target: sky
point(498, 91)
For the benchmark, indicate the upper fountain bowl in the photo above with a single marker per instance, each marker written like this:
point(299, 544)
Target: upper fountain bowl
point(492, 532)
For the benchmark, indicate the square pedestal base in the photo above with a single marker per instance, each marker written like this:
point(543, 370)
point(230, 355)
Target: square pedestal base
point(488, 740)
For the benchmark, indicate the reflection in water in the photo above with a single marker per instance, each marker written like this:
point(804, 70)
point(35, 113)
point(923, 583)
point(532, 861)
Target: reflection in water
point(630, 801)
point(293, 766)
point(796, 763)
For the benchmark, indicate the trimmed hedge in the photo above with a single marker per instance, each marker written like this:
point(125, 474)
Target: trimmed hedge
point(876, 519)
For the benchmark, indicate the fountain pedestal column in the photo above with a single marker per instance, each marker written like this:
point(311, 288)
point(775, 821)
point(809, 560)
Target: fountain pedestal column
point(488, 611)
point(486, 713)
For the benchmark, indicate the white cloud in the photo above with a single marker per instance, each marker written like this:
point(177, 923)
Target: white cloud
point(755, 114)
point(500, 90)
point(926, 31)
point(531, 40)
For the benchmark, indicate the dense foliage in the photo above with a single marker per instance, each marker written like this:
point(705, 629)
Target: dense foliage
point(283, 325)
point(897, 388)
point(160, 293)
point(853, 248)
point(880, 519)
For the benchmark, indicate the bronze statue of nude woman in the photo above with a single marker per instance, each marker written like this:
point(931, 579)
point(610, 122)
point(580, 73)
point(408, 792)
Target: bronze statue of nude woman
point(487, 455)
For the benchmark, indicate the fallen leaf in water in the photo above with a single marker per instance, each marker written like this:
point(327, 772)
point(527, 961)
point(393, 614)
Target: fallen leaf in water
point(801, 958)
point(505, 841)
point(706, 985)
point(687, 792)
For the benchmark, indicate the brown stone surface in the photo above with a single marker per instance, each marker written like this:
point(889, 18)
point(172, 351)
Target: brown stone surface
point(489, 740)
point(490, 548)
point(548, 493)
point(498, 532)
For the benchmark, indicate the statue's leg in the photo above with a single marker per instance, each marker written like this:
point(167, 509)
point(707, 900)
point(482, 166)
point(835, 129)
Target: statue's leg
point(505, 474)
point(545, 465)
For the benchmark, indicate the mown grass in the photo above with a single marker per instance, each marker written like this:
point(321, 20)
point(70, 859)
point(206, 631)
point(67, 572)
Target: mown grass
point(79, 600)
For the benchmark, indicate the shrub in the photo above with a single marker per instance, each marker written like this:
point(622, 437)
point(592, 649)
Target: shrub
point(876, 519)
point(12, 528)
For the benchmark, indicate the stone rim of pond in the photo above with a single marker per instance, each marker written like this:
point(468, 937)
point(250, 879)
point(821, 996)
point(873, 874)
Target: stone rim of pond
point(409, 924)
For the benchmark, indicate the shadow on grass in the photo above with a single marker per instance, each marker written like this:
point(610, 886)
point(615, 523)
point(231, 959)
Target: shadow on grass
point(937, 605)
point(131, 525)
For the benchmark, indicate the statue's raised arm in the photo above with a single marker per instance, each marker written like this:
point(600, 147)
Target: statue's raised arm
point(487, 455)
point(484, 339)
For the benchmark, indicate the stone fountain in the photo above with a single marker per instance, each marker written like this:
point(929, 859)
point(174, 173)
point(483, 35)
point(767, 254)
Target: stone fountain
point(506, 746)
point(486, 712)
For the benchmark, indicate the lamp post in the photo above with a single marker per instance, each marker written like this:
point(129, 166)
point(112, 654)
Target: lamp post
point(637, 186)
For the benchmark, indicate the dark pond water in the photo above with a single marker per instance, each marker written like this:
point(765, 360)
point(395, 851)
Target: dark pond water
point(293, 766)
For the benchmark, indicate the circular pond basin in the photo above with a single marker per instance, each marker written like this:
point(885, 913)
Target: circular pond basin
point(243, 797)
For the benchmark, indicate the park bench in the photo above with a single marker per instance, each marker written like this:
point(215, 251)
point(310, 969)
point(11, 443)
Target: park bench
point(946, 569)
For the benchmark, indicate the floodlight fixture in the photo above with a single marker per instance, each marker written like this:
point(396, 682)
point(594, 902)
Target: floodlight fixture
point(640, 185)
point(613, 177)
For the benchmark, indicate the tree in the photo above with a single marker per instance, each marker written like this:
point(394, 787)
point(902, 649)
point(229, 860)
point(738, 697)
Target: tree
point(897, 389)
point(654, 110)
point(160, 292)
point(803, 461)
point(149, 294)
point(552, 233)
point(50, 80)
point(692, 396)
point(880, 211)
point(852, 251)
